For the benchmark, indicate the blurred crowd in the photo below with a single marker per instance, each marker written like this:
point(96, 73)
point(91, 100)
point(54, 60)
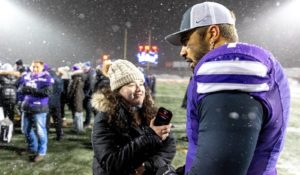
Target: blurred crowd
point(52, 91)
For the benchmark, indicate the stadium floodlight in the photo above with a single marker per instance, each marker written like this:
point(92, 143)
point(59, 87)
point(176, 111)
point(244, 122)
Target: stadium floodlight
point(9, 13)
point(290, 13)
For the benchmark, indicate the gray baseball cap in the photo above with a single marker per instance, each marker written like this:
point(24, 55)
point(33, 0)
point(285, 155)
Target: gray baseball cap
point(199, 15)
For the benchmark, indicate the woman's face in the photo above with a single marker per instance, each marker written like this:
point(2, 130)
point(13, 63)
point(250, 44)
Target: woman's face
point(134, 92)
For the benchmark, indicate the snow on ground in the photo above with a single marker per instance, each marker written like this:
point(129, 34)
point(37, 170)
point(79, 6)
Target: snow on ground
point(172, 78)
point(289, 161)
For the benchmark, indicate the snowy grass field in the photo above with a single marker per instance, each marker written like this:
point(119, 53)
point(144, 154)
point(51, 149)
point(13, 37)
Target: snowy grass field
point(73, 155)
point(289, 161)
point(290, 158)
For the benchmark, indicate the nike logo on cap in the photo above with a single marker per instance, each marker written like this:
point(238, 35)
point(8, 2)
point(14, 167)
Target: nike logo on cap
point(198, 21)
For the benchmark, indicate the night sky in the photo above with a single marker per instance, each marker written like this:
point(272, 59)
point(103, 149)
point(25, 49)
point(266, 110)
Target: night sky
point(68, 31)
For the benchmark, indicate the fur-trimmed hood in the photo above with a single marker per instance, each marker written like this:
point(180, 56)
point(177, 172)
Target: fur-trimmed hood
point(100, 102)
point(13, 73)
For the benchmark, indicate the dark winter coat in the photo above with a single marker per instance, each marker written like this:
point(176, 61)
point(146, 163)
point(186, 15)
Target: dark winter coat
point(58, 87)
point(8, 91)
point(64, 95)
point(89, 81)
point(101, 81)
point(75, 92)
point(119, 151)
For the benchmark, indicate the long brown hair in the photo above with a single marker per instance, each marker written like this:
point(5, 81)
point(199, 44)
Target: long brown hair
point(146, 112)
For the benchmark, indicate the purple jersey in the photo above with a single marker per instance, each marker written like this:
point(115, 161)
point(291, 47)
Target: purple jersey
point(38, 81)
point(253, 70)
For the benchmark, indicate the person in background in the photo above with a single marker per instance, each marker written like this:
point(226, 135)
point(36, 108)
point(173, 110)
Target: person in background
point(89, 80)
point(150, 82)
point(8, 91)
point(238, 99)
point(125, 140)
point(63, 73)
point(55, 105)
point(20, 67)
point(76, 97)
point(20, 97)
point(36, 87)
point(101, 80)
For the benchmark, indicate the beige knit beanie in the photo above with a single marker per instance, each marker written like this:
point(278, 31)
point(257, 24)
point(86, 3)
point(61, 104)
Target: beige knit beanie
point(122, 72)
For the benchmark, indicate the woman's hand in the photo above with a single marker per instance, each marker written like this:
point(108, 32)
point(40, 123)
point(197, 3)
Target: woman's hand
point(139, 171)
point(162, 131)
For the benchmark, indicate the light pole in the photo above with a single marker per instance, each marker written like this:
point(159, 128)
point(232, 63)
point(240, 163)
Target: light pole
point(125, 44)
point(127, 26)
point(149, 43)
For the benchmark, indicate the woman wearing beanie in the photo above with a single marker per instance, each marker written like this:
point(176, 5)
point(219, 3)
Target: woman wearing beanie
point(125, 141)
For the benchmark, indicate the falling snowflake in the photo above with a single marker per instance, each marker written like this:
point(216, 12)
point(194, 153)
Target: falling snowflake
point(81, 16)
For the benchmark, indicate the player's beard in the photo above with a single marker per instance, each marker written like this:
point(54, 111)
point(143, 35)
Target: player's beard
point(200, 52)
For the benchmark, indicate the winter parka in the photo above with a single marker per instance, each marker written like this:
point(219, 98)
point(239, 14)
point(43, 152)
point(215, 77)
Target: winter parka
point(58, 87)
point(120, 150)
point(8, 89)
point(76, 93)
